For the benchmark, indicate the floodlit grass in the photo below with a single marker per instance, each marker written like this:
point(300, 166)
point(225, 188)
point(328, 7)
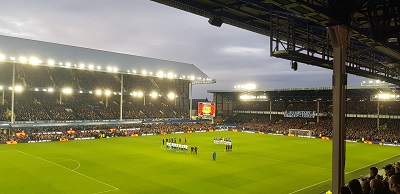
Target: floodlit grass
point(257, 164)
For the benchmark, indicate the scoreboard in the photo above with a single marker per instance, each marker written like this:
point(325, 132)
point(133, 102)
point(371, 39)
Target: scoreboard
point(206, 109)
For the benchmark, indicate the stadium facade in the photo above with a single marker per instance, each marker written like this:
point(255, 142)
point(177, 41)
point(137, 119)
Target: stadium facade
point(278, 101)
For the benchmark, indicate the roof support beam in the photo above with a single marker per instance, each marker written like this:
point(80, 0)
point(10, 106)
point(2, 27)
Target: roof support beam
point(339, 36)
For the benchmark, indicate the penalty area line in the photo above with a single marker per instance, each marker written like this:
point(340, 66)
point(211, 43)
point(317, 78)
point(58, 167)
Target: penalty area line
point(345, 174)
point(86, 176)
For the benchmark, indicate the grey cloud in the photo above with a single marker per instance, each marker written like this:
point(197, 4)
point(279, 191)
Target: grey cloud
point(145, 28)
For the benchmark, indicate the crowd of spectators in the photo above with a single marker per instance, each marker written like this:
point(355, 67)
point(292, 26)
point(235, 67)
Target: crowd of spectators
point(387, 182)
point(34, 106)
point(352, 107)
point(357, 129)
point(40, 105)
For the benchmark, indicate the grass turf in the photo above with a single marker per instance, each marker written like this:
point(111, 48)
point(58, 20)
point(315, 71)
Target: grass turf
point(257, 164)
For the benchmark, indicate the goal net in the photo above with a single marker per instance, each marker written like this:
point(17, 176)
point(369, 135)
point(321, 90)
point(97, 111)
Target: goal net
point(300, 133)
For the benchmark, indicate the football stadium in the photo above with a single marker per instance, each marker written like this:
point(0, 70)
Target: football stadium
point(68, 131)
point(81, 120)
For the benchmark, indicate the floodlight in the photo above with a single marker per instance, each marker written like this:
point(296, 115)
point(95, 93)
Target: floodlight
point(12, 58)
point(170, 75)
point(91, 67)
point(60, 64)
point(98, 67)
point(50, 62)
point(151, 73)
point(154, 94)
point(160, 74)
point(81, 92)
point(1, 87)
point(81, 65)
point(107, 92)
point(68, 64)
point(98, 92)
point(90, 92)
point(34, 61)
point(2, 57)
point(171, 95)
point(115, 69)
point(140, 94)
point(18, 88)
point(22, 59)
point(109, 68)
point(50, 90)
point(385, 96)
point(36, 89)
point(133, 71)
point(144, 72)
point(67, 90)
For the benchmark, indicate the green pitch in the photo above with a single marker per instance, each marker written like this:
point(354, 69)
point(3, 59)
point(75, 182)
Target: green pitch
point(257, 164)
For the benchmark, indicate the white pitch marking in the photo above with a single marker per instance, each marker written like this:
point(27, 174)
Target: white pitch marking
point(114, 188)
point(79, 164)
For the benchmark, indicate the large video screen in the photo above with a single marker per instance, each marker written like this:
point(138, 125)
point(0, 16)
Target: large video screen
point(206, 109)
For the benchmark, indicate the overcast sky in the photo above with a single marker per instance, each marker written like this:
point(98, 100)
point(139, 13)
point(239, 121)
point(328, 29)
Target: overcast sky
point(140, 27)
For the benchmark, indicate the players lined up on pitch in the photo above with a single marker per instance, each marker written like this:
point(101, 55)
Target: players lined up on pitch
point(176, 146)
point(173, 140)
point(226, 141)
point(172, 145)
point(220, 140)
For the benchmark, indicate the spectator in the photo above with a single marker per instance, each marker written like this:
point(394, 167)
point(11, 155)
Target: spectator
point(355, 186)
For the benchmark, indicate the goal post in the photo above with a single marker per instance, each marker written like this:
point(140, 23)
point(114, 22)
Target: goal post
point(300, 133)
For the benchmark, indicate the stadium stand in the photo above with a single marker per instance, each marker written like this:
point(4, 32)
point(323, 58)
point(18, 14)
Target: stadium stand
point(356, 128)
point(35, 105)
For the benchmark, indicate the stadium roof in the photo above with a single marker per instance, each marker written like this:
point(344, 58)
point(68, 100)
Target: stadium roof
point(52, 54)
point(308, 94)
point(297, 29)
